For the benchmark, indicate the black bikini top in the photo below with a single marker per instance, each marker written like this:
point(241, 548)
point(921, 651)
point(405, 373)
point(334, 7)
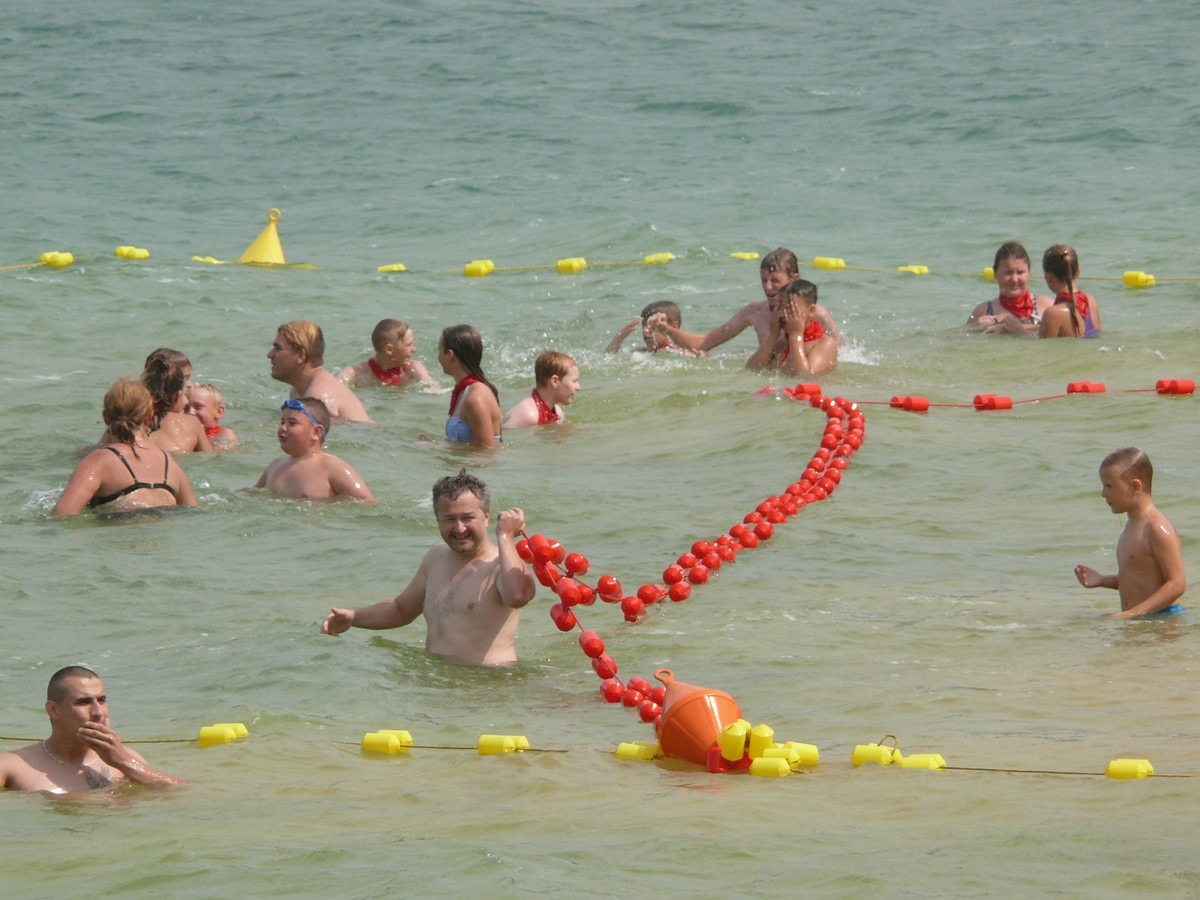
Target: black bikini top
point(137, 485)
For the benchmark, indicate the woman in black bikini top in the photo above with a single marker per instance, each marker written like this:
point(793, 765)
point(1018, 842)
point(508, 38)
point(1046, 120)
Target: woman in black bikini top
point(98, 480)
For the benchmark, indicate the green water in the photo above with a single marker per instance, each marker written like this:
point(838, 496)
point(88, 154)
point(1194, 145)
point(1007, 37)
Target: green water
point(930, 598)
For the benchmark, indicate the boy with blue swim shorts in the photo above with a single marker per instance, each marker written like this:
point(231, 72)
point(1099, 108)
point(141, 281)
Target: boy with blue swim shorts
point(1150, 576)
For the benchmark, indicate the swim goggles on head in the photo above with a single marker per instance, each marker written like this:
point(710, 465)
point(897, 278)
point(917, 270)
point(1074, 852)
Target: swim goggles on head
point(297, 405)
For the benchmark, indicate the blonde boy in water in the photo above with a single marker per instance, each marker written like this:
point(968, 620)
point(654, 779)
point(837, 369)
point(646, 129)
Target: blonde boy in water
point(658, 321)
point(1150, 575)
point(556, 377)
point(206, 404)
point(306, 471)
point(394, 363)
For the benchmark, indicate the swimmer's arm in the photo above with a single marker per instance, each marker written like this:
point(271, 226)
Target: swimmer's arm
point(107, 744)
point(1164, 545)
point(395, 613)
point(203, 444)
point(350, 408)
point(522, 415)
point(349, 375)
point(1095, 310)
point(614, 346)
point(822, 315)
point(344, 481)
point(416, 369)
point(81, 487)
point(764, 356)
point(1090, 578)
point(714, 338)
point(184, 495)
point(513, 581)
point(476, 412)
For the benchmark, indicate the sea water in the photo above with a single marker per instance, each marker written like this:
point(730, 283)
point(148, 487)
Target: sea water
point(930, 598)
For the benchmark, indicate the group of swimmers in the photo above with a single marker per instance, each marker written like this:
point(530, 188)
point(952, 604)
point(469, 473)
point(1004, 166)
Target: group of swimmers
point(1069, 313)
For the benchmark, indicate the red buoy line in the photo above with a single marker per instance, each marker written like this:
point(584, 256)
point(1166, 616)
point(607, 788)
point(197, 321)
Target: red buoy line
point(563, 572)
point(982, 402)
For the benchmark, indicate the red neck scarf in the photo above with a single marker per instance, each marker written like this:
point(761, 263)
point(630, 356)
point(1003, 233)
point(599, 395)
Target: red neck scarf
point(546, 413)
point(1081, 301)
point(211, 431)
point(387, 376)
point(1022, 307)
point(460, 387)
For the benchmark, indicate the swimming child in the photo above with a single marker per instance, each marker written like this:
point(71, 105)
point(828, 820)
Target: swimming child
point(474, 412)
point(655, 320)
point(1015, 310)
point(305, 470)
point(557, 383)
point(207, 405)
point(167, 377)
point(1074, 313)
point(394, 362)
point(1150, 576)
point(776, 269)
point(129, 471)
point(800, 345)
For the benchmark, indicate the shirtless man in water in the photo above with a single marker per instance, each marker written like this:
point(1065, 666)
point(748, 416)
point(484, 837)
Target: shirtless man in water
point(83, 751)
point(469, 589)
point(298, 358)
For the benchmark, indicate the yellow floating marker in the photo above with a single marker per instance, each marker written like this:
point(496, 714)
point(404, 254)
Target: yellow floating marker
point(211, 735)
point(989, 274)
point(572, 265)
point(239, 729)
point(479, 268)
point(394, 267)
point(266, 249)
point(211, 260)
point(56, 259)
point(405, 739)
point(828, 262)
point(132, 253)
point(876, 753)
point(767, 767)
point(1129, 768)
point(732, 741)
point(923, 761)
point(382, 742)
point(1138, 280)
point(808, 753)
point(637, 750)
point(761, 738)
point(744, 254)
point(657, 259)
point(914, 270)
point(495, 744)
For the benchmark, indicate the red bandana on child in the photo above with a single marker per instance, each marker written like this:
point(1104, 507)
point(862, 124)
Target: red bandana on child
point(211, 431)
point(1022, 307)
point(546, 413)
point(387, 376)
point(459, 388)
point(1081, 301)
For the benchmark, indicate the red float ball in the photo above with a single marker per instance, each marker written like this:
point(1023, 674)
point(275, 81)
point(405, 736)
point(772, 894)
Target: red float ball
point(586, 595)
point(712, 560)
point(523, 550)
point(750, 540)
point(829, 442)
point(738, 531)
point(687, 560)
point(632, 698)
point(591, 643)
point(726, 552)
point(610, 589)
point(633, 608)
point(658, 694)
point(605, 666)
point(699, 574)
point(576, 563)
point(648, 711)
point(539, 546)
point(563, 618)
point(650, 593)
point(612, 690)
point(753, 518)
point(775, 518)
point(680, 592)
point(764, 530)
point(568, 591)
point(699, 548)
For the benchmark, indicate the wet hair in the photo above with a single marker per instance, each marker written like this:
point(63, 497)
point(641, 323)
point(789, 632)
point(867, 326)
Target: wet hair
point(128, 406)
point(387, 330)
point(212, 391)
point(802, 288)
point(1010, 250)
point(668, 308)
point(453, 486)
point(549, 364)
point(306, 336)
point(466, 343)
point(165, 381)
point(1130, 463)
point(56, 690)
point(316, 406)
point(780, 260)
point(1061, 261)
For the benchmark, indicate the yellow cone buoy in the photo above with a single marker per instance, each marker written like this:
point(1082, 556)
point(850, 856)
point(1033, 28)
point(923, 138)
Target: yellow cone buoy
point(266, 249)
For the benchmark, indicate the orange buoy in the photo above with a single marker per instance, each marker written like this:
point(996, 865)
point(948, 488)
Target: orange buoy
point(692, 718)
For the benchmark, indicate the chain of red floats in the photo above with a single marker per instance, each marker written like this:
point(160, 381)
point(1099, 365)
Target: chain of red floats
point(843, 435)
